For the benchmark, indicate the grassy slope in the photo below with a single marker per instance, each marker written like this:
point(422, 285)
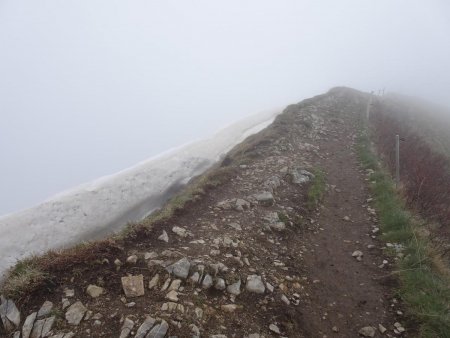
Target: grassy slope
point(425, 285)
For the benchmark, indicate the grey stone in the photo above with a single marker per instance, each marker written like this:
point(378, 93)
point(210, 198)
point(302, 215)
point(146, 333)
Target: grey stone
point(182, 232)
point(235, 288)
point(164, 237)
point(75, 313)
point(274, 328)
point(367, 331)
point(180, 268)
point(16, 334)
point(9, 314)
point(154, 282)
point(126, 328)
point(45, 309)
point(28, 325)
point(235, 226)
point(94, 291)
point(195, 277)
point(37, 328)
point(48, 325)
point(300, 176)
point(159, 331)
point(132, 259)
point(220, 284)
point(255, 284)
point(133, 286)
point(145, 327)
point(265, 198)
point(242, 205)
point(207, 282)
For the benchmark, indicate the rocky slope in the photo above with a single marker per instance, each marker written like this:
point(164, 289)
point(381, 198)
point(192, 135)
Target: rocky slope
point(252, 256)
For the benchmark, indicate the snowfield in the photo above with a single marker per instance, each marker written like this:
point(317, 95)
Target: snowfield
point(102, 207)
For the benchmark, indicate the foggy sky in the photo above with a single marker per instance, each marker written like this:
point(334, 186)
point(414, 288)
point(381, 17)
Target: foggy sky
point(88, 88)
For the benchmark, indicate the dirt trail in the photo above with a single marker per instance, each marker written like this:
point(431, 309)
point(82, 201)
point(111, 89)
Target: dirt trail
point(249, 258)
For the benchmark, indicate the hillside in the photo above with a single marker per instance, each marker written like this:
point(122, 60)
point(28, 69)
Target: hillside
point(281, 239)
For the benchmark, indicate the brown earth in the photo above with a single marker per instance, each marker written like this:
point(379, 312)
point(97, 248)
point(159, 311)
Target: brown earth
point(330, 293)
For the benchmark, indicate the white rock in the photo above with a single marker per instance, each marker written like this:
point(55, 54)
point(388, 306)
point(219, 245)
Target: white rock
point(207, 282)
point(154, 282)
point(164, 237)
point(182, 232)
point(235, 288)
point(367, 331)
point(159, 331)
point(145, 327)
point(274, 328)
point(28, 325)
point(94, 291)
point(132, 259)
point(75, 313)
point(126, 328)
point(180, 268)
point(45, 309)
point(133, 286)
point(255, 284)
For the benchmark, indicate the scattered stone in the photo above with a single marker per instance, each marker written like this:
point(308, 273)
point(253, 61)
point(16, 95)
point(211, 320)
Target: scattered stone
point(175, 285)
point(335, 329)
point(126, 328)
point(150, 255)
point(195, 278)
point(235, 288)
point(358, 255)
point(94, 291)
point(207, 282)
point(172, 296)
point(132, 259)
point(75, 313)
point(28, 325)
point(367, 331)
point(220, 284)
point(159, 331)
point(285, 300)
point(230, 307)
point(180, 268)
point(265, 198)
point(164, 237)
point(45, 309)
point(117, 263)
point(381, 328)
point(242, 205)
point(399, 327)
point(269, 287)
point(166, 284)
point(145, 327)
point(42, 327)
point(9, 314)
point(65, 303)
point(182, 232)
point(299, 176)
point(255, 284)
point(235, 226)
point(133, 286)
point(346, 218)
point(194, 330)
point(274, 328)
point(69, 293)
point(154, 282)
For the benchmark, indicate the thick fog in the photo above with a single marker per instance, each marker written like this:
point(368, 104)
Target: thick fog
point(88, 88)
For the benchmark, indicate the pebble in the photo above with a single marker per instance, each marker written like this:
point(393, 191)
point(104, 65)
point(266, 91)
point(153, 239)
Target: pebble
point(255, 284)
point(274, 328)
point(75, 313)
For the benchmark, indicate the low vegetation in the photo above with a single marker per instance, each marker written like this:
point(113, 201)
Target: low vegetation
point(424, 282)
point(317, 189)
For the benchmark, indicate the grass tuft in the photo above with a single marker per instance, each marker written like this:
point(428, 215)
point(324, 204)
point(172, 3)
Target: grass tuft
point(423, 287)
point(316, 190)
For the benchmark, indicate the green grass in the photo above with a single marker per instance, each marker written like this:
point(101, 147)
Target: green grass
point(316, 190)
point(424, 289)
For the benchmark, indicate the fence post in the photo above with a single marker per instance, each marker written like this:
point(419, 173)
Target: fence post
point(397, 160)
point(369, 104)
